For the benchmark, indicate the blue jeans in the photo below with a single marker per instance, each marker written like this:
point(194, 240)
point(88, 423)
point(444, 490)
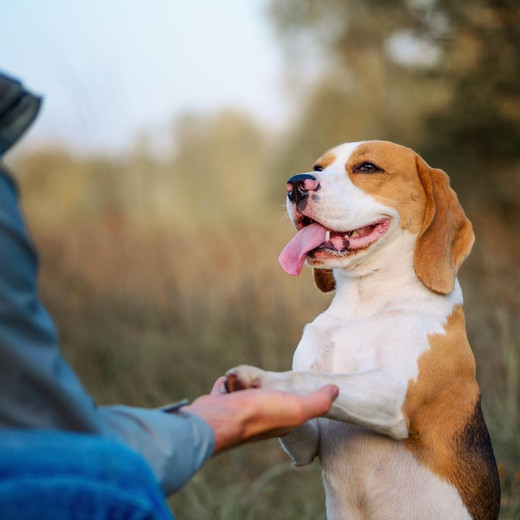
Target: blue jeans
point(55, 475)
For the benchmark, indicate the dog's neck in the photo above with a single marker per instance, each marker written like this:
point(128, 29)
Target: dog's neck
point(380, 282)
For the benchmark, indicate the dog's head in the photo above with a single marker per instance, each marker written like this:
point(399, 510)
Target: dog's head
point(360, 197)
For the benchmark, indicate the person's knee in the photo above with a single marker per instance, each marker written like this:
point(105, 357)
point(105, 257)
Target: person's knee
point(72, 471)
point(39, 452)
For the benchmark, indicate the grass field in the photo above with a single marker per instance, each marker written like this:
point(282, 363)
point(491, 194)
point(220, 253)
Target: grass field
point(150, 316)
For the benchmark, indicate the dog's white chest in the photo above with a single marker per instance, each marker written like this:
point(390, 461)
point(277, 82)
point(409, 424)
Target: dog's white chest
point(331, 345)
point(349, 340)
point(391, 340)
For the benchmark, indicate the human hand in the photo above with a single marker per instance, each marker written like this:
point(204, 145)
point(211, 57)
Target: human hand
point(255, 414)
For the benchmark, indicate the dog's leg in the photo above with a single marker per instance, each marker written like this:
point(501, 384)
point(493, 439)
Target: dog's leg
point(303, 443)
point(373, 399)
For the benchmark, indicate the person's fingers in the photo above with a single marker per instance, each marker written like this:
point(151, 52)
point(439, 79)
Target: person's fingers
point(319, 402)
point(218, 387)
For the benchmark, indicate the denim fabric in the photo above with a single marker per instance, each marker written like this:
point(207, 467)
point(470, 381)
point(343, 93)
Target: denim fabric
point(51, 475)
point(38, 389)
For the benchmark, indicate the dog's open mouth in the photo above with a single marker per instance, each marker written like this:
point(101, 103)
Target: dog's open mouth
point(314, 240)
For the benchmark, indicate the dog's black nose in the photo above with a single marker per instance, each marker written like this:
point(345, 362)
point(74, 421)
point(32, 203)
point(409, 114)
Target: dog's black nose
point(298, 186)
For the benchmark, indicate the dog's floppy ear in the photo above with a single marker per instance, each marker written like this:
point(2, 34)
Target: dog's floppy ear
point(446, 234)
point(324, 280)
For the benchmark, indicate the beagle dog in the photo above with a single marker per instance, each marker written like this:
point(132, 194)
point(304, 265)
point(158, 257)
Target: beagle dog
point(406, 438)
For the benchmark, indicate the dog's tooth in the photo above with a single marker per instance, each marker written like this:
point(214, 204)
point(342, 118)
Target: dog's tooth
point(327, 236)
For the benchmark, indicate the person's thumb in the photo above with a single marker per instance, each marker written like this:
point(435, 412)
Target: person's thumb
point(218, 387)
point(319, 402)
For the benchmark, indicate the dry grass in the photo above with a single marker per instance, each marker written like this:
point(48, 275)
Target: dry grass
point(147, 317)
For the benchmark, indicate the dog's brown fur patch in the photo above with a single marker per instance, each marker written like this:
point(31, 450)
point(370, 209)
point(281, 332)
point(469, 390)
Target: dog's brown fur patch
point(447, 432)
point(397, 185)
point(427, 206)
point(325, 160)
point(324, 280)
point(446, 236)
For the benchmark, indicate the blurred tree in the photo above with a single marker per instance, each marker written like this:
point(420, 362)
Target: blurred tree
point(217, 171)
point(219, 165)
point(478, 131)
point(441, 76)
point(59, 188)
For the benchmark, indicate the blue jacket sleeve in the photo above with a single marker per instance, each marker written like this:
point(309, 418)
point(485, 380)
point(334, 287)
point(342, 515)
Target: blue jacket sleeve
point(38, 389)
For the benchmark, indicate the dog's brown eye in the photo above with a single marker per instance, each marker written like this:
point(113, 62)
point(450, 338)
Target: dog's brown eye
point(317, 168)
point(367, 167)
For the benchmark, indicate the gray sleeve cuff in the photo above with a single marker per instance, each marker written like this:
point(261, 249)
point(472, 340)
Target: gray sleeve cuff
point(175, 445)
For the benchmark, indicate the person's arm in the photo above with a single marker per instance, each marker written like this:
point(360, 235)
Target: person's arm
point(176, 445)
point(38, 389)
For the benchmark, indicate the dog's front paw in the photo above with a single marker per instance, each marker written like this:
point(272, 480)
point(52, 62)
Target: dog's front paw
point(243, 377)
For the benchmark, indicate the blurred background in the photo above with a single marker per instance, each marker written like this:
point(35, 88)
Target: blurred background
point(154, 179)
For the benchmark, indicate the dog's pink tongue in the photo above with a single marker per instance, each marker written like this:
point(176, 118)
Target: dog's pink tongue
point(293, 255)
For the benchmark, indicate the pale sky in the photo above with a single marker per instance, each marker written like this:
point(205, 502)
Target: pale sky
point(110, 68)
